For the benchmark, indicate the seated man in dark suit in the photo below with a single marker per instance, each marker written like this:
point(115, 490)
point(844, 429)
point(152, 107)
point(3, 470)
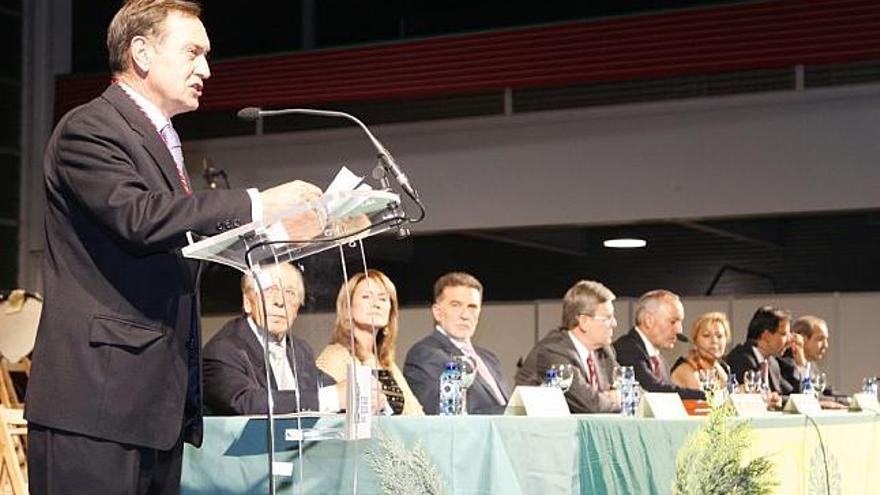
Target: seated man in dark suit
point(456, 309)
point(234, 364)
point(659, 315)
point(809, 343)
point(767, 338)
point(584, 342)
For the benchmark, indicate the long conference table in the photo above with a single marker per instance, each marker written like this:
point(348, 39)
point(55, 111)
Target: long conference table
point(580, 454)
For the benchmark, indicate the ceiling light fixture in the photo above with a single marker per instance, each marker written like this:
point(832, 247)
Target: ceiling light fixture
point(625, 243)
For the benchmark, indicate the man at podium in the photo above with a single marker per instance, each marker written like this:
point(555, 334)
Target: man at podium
point(115, 384)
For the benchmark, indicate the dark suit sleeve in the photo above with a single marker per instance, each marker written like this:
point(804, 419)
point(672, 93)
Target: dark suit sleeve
point(96, 167)
point(627, 355)
point(790, 374)
point(232, 386)
point(739, 363)
point(581, 397)
point(422, 370)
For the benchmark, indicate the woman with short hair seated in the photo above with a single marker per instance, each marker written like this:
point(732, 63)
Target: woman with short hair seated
point(709, 335)
point(368, 305)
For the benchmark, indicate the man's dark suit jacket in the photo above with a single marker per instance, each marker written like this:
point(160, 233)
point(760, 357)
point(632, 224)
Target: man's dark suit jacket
point(557, 348)
point(235, 374)
point(117, 350)
point(790, 373)
point(425, 362)
point(631, 351)
point(742, 358)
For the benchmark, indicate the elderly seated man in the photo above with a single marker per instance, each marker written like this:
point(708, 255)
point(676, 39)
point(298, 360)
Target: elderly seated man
point(659, 316)
point(234, 364)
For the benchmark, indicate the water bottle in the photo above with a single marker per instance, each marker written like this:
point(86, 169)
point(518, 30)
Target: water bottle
point(629, 397)
point(807, 382)
point(635, 393)
point(551, 379)
point(450, 390)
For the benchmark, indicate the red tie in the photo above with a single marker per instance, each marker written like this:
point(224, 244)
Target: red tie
point(591, 366)
point(657, 367)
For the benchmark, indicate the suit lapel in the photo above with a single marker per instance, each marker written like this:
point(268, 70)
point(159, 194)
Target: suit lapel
point(255, 353)
point(151, 140)
point(570, 353)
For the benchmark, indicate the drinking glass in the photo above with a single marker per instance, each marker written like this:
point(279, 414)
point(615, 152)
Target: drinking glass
point(565, 375)
point(820, 381)
point(751, 382)
point(708, 379)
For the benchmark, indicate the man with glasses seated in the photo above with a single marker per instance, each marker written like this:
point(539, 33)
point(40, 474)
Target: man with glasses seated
point(583, 341)
point(659, 316)
point(234, 369)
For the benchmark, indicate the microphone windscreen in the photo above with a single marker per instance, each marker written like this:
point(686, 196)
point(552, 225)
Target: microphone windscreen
point(682, 338)
point(249, 113)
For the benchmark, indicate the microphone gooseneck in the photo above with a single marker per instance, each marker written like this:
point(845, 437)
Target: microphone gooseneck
point(385, 159)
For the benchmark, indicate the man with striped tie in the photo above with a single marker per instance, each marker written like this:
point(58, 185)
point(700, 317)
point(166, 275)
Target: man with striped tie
point(115, 386)
point(457, 302)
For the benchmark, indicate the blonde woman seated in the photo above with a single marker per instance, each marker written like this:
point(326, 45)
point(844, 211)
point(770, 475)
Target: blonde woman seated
point(374, 314)
point(709, 337)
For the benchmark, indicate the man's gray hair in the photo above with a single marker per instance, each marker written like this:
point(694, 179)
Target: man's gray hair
point(650, 302)
point(582, 299)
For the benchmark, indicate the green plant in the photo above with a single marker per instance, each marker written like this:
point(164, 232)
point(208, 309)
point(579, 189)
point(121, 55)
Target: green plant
point(402, 471)
point(711, 460)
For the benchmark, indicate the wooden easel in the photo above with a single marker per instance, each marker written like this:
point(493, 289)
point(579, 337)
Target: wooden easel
point(13, 459)
point(8, 396)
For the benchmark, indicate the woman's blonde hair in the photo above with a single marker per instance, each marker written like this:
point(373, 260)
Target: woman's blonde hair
point(385, 337)
point(706, 319)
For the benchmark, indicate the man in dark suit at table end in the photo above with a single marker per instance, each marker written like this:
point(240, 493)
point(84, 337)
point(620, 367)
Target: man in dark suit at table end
point(583, 341)
point(115, 386)
point(457, 302)
point(659, 316)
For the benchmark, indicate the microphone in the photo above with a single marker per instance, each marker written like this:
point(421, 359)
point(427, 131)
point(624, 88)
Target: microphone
point(682, 338)
point(254, 113)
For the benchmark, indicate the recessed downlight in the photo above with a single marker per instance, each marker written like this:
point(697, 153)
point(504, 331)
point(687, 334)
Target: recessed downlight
point(625, 243)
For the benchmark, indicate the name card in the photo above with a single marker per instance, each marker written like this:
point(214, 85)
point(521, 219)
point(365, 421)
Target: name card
point(661, 406)
point(864, 401)
point(803, 404)
point(357, 414)
point(537, 401)
point(748, 405)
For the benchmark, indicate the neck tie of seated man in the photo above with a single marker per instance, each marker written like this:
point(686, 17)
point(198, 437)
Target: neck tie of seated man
point(483, 372)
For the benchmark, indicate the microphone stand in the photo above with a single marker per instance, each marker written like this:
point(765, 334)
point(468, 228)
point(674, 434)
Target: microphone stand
point(386, 161)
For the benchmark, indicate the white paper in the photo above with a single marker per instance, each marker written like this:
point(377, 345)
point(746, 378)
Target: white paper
point(803, 404)
point(537, 401)
point(661, 406)
point(748, 405)
point(864, 401)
